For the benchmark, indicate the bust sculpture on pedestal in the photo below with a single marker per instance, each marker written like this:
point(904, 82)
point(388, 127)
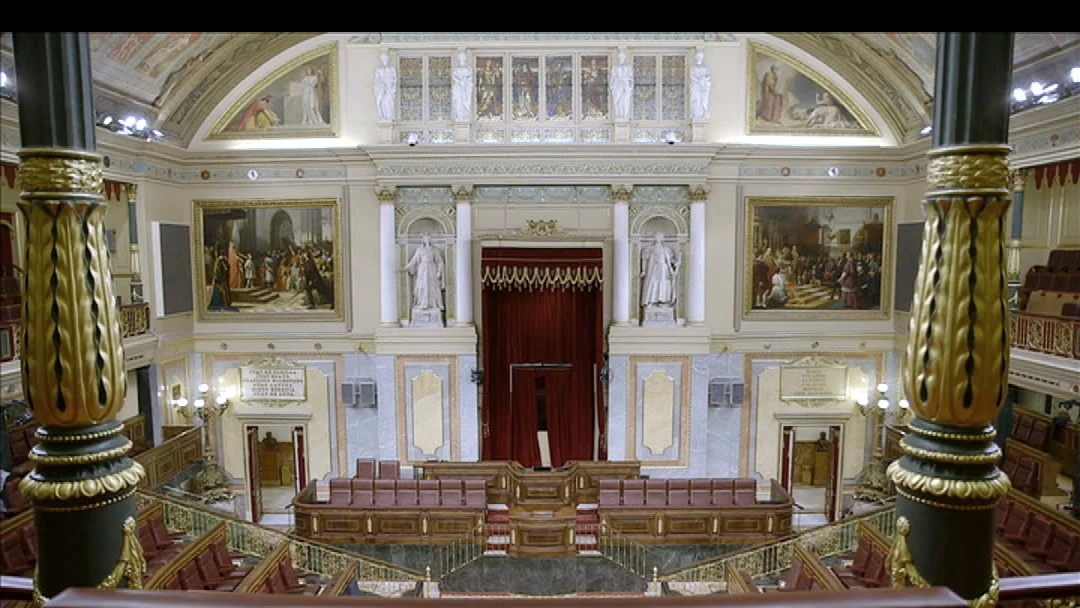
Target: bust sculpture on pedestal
point(429, 279)
point(660, 265)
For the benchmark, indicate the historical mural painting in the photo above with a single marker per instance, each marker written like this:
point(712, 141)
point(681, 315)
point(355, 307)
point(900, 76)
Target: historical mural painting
point(296, 100)
point(815, 258)
point(786, 97)
point(269, 259)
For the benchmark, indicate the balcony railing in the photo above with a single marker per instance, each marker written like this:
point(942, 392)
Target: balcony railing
point(773, 558)
point(134, 321)
point(1059, 336)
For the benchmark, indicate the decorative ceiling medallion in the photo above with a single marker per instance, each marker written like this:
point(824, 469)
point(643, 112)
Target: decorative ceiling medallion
point(540, 228)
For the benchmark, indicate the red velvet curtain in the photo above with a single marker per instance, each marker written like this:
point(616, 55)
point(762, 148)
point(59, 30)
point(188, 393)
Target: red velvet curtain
point(526, 321)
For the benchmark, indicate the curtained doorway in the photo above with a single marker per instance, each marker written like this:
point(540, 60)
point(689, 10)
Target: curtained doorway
point(542, 311)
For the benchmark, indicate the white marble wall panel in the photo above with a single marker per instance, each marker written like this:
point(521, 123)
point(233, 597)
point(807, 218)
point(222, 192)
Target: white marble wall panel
point(721, 452)
point(387, 410)
point(361, 423)
point(673, 451)
point(411, 372)
point(616, 414)
point(469, 450)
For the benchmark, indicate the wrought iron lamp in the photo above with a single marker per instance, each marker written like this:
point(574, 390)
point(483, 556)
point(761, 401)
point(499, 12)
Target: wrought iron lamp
point(873, 483)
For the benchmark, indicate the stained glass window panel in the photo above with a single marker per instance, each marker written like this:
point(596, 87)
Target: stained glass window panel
point(489, 88)
point(525, 88)
point(645, 88)
point(524, 136)
point(439, 88)
point(559, 89)
point(491, 136)
point(594, 136)
point(411, 88)
point(559, 136)
point(594, 88)
point(674, 89)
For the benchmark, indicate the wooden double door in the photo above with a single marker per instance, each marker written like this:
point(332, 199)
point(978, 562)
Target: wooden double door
point(791, 476)
point(264, 466)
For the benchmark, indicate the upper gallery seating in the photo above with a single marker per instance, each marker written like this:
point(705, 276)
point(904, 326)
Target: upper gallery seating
point(1053, 289)
point(1044, 539)
point(1038, 450)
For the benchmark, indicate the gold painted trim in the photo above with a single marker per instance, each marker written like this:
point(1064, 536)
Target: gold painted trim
point(60, 174)
point(117, 452)
point(953, 436)
point(951, 457)
point(95, 505)
point(43, 435)
point(331, 130)
point(684, 410)
point(867, 127)
point(85, 488)
point(131, 565)
point(886, 204)
point(962, 168)
point(402, 421)
point(946, 506)
point(199, 208)
point(902, 570)
point(964, 489)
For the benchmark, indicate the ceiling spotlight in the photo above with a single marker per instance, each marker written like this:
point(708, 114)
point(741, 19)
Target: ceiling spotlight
point(413, 139)
point(107, 121)
point(671, 137)
point(157, 133)
point(3, 79)
point(1075, 74)
point(1019, 95)
point(926, 130)
point(128, 122)
point(1036, 88)
point(1050, 88)
point(140, 124)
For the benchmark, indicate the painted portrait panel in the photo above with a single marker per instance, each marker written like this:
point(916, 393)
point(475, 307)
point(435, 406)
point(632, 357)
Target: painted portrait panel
point(489, 88)
point(786, 97)
point(268, 259)
point(817, 257)
point(297, 100)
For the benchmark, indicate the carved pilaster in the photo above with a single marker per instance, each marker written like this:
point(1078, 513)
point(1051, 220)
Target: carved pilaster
point(136, 286)
point(387, 195)
point(1018, 179)
point(462, 193)
point(699, 193)
point(621, 193)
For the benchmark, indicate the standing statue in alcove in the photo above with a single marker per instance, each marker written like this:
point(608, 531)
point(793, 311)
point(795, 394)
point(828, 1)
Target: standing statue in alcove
point(622, 88)
point(700, 84)
point(386, 82)
point(429, 279)
point(660, 265)
point(462, 91)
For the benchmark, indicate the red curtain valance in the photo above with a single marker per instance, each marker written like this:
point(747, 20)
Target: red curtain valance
point(1055, 174)
point(541, 269)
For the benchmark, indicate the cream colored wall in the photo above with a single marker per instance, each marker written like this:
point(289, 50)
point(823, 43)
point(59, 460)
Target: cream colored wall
point(1051, 220)
point(169, 204)
point(363, 250)
point(131, 398)
point(313, 414)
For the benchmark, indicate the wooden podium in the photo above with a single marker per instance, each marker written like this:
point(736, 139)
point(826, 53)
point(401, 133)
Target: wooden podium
point(543, 533)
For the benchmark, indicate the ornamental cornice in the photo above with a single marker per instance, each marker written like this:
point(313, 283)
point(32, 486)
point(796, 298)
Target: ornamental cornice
point(497, 37)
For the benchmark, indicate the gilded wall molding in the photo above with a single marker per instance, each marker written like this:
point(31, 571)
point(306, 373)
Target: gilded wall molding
point(453, 415)
point(682, 419)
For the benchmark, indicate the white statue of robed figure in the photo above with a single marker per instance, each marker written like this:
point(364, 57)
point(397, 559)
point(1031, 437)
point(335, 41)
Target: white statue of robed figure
point(622, 88)
point(660, 265)
point(462, 91)
point(700, 84)
point(385, 88)
point(429, 279)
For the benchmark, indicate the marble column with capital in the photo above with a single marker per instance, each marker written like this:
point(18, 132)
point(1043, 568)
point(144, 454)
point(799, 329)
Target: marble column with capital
point(388, 258)
point(132, 191)
point(1012, 246)
point(695, 280)
point(463, 308)
point(620, 297)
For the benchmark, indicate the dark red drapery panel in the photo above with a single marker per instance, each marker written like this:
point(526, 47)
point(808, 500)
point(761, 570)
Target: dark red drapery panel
point(546, 324)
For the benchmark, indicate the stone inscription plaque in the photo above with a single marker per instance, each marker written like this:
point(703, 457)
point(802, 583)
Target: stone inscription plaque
point(799, 383)
point(273, 384)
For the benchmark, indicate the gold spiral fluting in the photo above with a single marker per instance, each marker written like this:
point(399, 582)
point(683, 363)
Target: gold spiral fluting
point(72, 354)
point(956, 369)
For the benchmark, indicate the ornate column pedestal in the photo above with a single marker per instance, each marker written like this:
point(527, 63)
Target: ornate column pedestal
point(386, 131)
point(462, 133)
point(697, 131)
point(955, 371)
point(73, 375)
point(621, 133)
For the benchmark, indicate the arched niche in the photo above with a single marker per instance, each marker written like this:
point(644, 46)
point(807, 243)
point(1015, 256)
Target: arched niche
point(437, 222)
point(646, 222)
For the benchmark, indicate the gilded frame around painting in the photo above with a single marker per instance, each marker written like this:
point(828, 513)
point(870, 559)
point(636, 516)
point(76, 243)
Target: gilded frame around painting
point(817, 288)
point(324, 57)
point(280, 298)
point(848, 111)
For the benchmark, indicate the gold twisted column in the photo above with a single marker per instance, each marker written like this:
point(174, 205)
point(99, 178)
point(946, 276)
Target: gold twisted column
point(955, 375)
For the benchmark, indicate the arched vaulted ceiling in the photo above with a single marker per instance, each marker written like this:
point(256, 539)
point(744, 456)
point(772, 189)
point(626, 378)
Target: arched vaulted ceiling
point(177, 78)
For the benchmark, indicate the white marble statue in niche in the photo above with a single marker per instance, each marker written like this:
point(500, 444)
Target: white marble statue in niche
point(429, 280)
point(700, 84)
point(622, 88)
point(462, 92)
point(660, 265)
point(386, 81)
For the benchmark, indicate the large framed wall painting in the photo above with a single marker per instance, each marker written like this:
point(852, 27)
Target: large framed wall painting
point(814, 258)
point(268, 259)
